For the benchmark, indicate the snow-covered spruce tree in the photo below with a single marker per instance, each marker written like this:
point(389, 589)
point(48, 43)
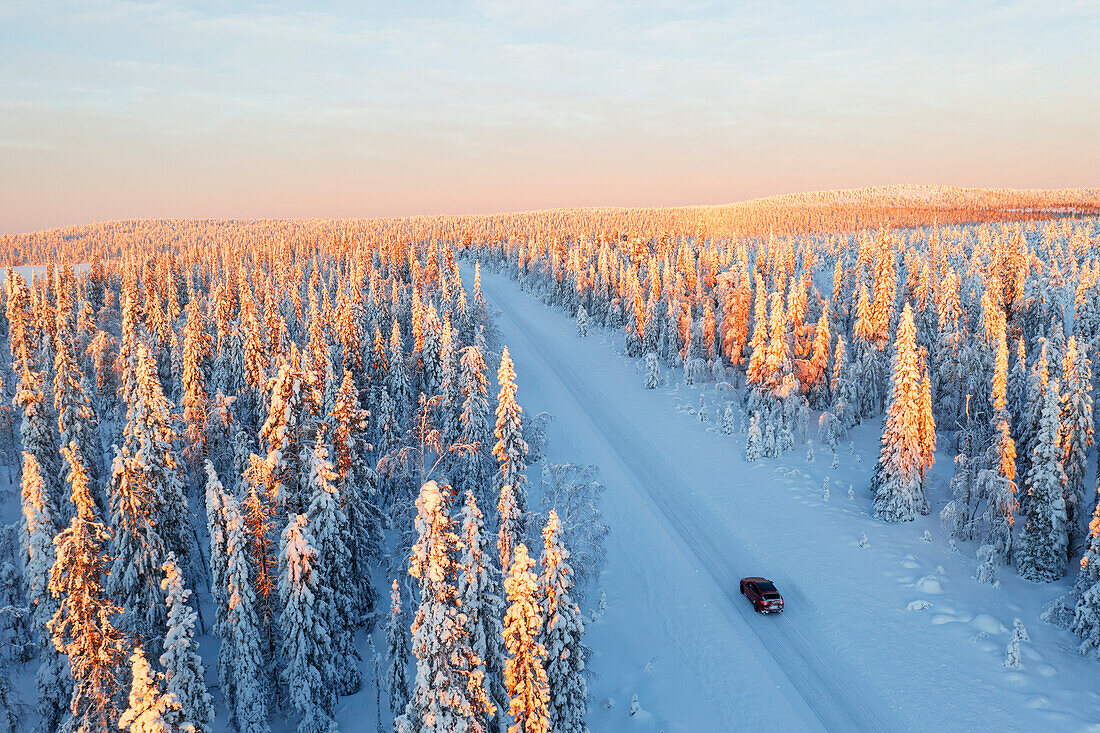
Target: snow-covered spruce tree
point(217, 530)
point(137, 548)
point(52, 682)
point(475, 466)
point(898, 478)
point(729, 423)
point(329, 525)
point(987, 566)
point(813, 373)
point(582, 322)
point(75, 420)
point(843, 386)
point(241, 660)
point(1041, 552)
point(830, 430)
point(1077, 437)
point(451, 389)
point(511, 451)
point(1079, 609)
point(397, 653)
point(184, 674)
point(449, 691)
point(431, 356)
point(525, 670)
point(148, 508)
point(36, 429)
point(999, 477)
point(149, 710)
point(754, 445)
point(652, 371)
point(306, 644)
point(82, 627)
point(358, 486)
point(397, 378)
point(194, 398)
point(479, 594)
point(1018, 388)
point(1012, 652)
point(281, 435)
point(562, 634)
point(1028, 429)
point(261, 537)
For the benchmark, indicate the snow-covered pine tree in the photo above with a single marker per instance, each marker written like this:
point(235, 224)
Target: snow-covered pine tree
point(479, 594)
point(1041, 553)
point(525, 670)
point(52, 682)
point(306, 643)
point(397, 653)
point(329, 527)
point(511, 451)
point(449, 691)
point(898, 479)
point(82, 627)
point(184, 674)
point(149, 710)
point(582, 322)
point(562, 635)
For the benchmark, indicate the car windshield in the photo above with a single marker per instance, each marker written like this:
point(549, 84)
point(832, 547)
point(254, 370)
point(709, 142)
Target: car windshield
point(766, 588)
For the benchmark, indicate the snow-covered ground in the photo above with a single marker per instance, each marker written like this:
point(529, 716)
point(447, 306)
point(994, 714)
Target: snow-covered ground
point(889, 634)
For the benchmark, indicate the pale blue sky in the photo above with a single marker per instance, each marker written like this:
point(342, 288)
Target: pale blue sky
point(118, 109)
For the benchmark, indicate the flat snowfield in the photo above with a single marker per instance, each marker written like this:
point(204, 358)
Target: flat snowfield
point(889, 634)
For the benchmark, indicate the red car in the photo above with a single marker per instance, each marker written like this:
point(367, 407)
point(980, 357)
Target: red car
point(761, 591)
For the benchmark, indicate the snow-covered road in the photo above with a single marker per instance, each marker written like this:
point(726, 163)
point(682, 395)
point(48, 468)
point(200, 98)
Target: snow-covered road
point(831, 689)
point(887, 633)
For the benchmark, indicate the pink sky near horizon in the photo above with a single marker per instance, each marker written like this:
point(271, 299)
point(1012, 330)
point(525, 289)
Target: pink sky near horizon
point(135, 110)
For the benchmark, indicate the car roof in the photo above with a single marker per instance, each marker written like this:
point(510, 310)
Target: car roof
point(757, 580)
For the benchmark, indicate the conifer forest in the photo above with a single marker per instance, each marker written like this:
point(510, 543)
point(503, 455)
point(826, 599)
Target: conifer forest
point(510, 366)
point(246, 489)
